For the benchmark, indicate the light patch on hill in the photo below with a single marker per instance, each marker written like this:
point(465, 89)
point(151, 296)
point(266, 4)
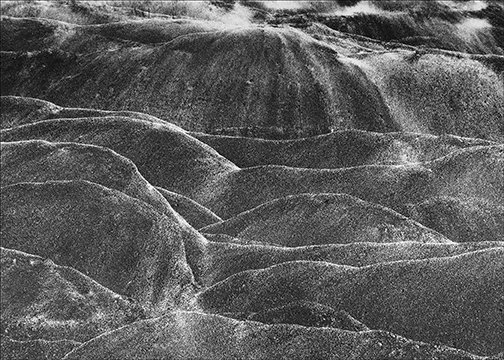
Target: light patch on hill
point(237, 16)
point(329, 8)
point(469, 29)
point(285, 5)
point(363, 7)
point(471, 5)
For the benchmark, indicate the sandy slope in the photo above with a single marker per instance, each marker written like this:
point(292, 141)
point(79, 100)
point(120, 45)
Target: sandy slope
point(309, 219)
point(18, 110)
point(256, 80)
point(41, 300)
point(119, 241)
point(39, 161)
point(456, 300)
point(186, 335)
point(337, 150)
point(344, 232)
point(174, 160)
point(195, 214)
point(225, 258)
point(163, 153)
point(271, 68)
point(460, 219)
point(465, 174)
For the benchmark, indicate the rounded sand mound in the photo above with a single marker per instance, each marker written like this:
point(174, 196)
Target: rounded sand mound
point(286, 83)
point(308, 219)
point(164, 154)
point(337, 150)
point(39, 161)
point(119, 241)
point(453, 300)
point(18, 110)
point(196, 215)
point(186, 335)
point(226, 258)
point(41, 300)
point(475, 172)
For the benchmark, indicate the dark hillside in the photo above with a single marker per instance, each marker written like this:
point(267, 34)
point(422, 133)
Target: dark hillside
point(39, 161)
point(119, 241)
point(309, 219)
point(417, 299)
point(337, 150)
point(249, 179)
point(225, 258)
point(41, 300)
point(164, 154)
point(18, 110)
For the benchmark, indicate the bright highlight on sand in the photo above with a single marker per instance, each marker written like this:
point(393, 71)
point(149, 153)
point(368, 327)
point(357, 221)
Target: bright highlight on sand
point(470, 27)
point(286, 5)
point(473, 5)
point(363, 7)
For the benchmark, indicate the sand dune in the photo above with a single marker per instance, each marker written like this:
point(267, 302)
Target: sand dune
point(41, 300)
point(439, 94)
point(286, 83)
point(39, 161)
point(456, 300)
point(460, 220)
point(469, 32)
point(195, 214)
point(227, 258)
point(465, 26)
point(308, 219)
point(470, 173)
point(259, 81)
point(164, 154)
point(342, 161)
point(119, 241)
point(18, 110)
point(308, 314)
point(186, 335)
point(177, 162)
point(337, 150)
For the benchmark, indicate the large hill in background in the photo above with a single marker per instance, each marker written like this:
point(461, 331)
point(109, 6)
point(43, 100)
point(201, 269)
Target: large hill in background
point(240, 179)
point(269, 81)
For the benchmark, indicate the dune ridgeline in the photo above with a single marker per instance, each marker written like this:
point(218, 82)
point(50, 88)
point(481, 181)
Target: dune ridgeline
point(252, 180)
